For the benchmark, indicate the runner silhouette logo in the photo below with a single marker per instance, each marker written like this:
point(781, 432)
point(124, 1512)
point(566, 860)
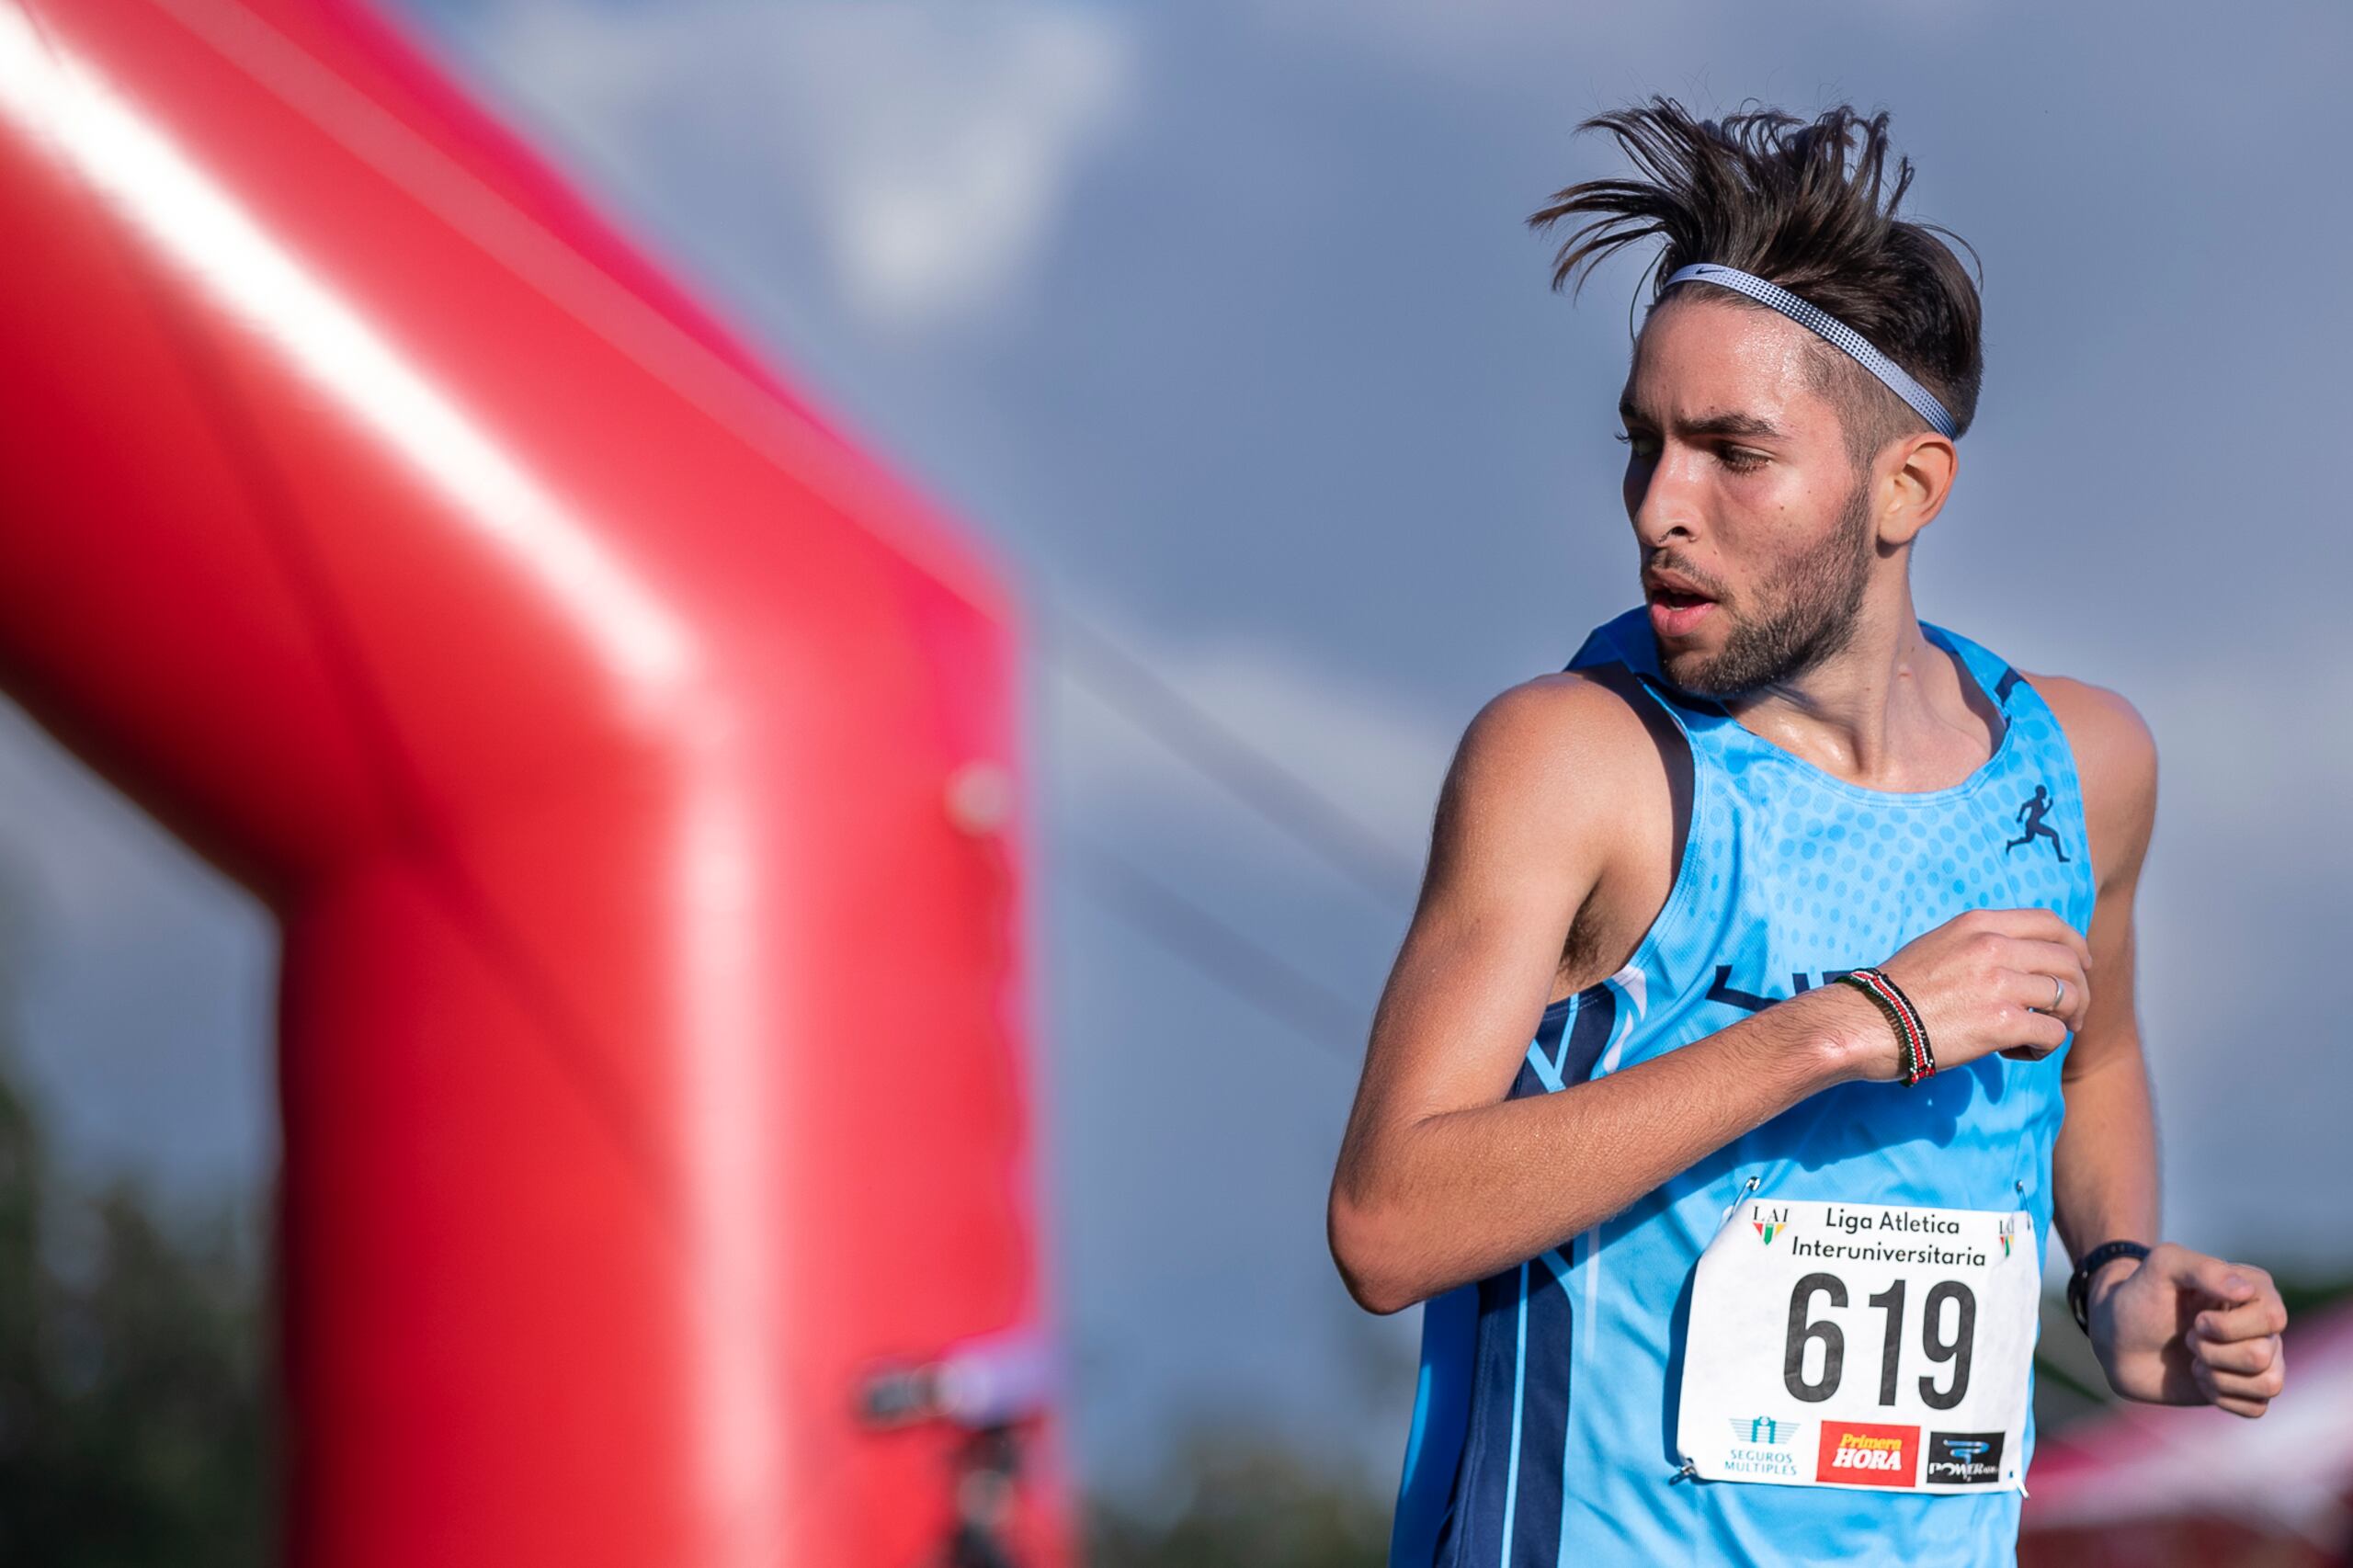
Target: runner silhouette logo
point(2030, 815)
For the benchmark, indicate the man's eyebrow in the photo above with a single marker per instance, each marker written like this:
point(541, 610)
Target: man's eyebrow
point(1727, 422)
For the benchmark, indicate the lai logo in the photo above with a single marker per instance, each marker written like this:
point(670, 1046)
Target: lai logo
point(2009, 1231)
point(1859, 1453)
point(1769, 1222)
point(1965, 1459)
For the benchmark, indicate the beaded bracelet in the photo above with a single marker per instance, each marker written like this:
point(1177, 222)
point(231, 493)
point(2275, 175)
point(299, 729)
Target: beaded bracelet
point(1911, 1034)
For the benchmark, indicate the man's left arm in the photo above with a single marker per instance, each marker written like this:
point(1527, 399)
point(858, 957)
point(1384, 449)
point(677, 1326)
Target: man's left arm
point(2178, 1327)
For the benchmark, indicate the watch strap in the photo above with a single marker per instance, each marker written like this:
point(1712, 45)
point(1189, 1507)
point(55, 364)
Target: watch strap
point(2079, 1283)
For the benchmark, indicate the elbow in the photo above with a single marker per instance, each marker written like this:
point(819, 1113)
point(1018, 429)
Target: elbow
point(1365, 1252)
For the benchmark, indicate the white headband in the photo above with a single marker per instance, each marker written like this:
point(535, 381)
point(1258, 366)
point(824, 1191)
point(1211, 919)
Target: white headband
point(1922, 402)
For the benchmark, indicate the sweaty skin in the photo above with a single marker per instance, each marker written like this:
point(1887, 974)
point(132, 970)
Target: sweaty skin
point(1557, 836)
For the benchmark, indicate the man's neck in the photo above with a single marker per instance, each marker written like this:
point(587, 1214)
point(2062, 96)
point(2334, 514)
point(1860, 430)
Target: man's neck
point(1890, 711)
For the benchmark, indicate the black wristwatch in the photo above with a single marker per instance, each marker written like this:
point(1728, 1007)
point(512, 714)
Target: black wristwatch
point(2079, 1283)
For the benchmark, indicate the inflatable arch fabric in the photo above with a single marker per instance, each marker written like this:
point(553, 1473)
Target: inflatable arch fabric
point(631, 764)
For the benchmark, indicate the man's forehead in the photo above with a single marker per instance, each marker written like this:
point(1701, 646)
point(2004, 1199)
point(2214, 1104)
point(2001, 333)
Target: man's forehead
point(1723, 369)
point(1707, 421)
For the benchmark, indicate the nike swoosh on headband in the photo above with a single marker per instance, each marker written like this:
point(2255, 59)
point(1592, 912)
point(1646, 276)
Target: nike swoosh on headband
point(1837, 332)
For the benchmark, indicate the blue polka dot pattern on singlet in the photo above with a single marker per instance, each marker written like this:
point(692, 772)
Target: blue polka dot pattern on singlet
point(1790, 875)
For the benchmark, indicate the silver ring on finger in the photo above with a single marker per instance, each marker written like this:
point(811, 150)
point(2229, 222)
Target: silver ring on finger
point(2058, 993)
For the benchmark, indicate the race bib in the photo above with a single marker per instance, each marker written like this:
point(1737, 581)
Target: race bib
point(1862, 1345)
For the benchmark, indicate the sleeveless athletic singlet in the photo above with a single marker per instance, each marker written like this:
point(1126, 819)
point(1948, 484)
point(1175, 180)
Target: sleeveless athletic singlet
point(1543, 1427)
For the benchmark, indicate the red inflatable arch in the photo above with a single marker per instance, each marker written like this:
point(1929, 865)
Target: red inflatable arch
point(630, 764)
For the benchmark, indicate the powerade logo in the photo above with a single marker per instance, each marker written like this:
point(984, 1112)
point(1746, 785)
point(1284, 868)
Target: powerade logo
point(1856, 1453)
point(1965, 1459)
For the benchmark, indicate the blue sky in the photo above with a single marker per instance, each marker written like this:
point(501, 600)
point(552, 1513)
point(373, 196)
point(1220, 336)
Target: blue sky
point(1220, 320)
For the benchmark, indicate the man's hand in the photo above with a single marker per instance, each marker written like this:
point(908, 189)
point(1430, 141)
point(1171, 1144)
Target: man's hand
point(2012, 981)
point(2182, 1328)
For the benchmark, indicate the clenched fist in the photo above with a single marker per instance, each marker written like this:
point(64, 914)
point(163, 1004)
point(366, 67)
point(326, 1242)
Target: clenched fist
point(2182, 1328)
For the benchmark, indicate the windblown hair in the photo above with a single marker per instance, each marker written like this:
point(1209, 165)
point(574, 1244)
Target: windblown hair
point(1771, 194)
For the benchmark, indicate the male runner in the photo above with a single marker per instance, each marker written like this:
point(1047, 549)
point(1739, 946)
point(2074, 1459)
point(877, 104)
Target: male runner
point(1714, 1106)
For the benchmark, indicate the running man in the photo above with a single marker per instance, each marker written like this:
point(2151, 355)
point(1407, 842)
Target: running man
point(2031, 815)
point(1714, 1108)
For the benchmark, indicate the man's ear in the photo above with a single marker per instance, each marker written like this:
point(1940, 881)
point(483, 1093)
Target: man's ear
point(1916, 475)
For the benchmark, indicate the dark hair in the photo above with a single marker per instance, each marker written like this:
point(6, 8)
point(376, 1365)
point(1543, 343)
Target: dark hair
point(1768, 193)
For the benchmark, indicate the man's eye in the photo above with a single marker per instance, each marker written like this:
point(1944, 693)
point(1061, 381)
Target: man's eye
point(1742, 462)
point(1633, 441)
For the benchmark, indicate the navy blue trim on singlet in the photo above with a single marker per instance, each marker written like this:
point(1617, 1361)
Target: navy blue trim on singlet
point(1594, 1010)
point(1544, 1414)
point(1548, 1040)
point(1508, 1485)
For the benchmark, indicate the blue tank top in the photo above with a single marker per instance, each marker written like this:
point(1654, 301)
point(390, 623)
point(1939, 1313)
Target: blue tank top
point(1543, 1421)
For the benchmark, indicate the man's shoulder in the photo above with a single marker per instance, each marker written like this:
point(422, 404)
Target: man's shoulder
point(1566, 723)
point(1558, 760)
point(2115, 763)
point(2105, 730)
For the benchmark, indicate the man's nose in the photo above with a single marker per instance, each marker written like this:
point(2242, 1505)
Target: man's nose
point(1663, 499)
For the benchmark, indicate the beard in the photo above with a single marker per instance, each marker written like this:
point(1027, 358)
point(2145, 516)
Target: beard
point(1810, 610)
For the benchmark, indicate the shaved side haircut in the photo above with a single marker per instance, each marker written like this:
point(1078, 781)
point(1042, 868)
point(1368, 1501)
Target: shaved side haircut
point(1807, 205)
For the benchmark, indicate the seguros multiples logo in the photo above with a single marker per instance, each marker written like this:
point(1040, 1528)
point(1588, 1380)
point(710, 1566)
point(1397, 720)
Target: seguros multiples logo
point(1859, 1453)
point(1765, 1448)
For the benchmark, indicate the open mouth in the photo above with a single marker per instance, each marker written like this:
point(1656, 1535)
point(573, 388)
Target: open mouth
point(1676, 611)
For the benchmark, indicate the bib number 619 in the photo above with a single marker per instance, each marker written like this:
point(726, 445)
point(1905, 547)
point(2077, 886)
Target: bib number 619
point(1804, 1328)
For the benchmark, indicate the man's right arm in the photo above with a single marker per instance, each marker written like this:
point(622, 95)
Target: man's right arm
point(1441, 1179)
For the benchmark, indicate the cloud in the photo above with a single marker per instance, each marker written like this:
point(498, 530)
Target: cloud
point(1479, 45)
point(932, 144)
